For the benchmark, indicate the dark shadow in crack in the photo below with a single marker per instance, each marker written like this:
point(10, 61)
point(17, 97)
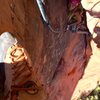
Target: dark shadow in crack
point(2, 79)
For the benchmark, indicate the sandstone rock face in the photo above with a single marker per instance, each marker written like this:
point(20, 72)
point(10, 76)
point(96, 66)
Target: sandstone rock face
point(91, 75)
point(58, 58)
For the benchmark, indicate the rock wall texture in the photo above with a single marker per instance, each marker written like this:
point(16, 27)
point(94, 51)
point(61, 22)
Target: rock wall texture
point(91, 77)
point(58, 58)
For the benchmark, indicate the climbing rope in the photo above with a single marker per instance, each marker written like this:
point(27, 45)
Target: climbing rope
point(22, 79)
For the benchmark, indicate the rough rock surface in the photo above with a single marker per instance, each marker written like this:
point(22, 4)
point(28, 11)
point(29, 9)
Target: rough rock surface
point(58, 58)
point(91, 75)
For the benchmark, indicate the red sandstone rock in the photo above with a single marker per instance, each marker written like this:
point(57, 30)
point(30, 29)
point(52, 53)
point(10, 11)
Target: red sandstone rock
point(58, 59)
